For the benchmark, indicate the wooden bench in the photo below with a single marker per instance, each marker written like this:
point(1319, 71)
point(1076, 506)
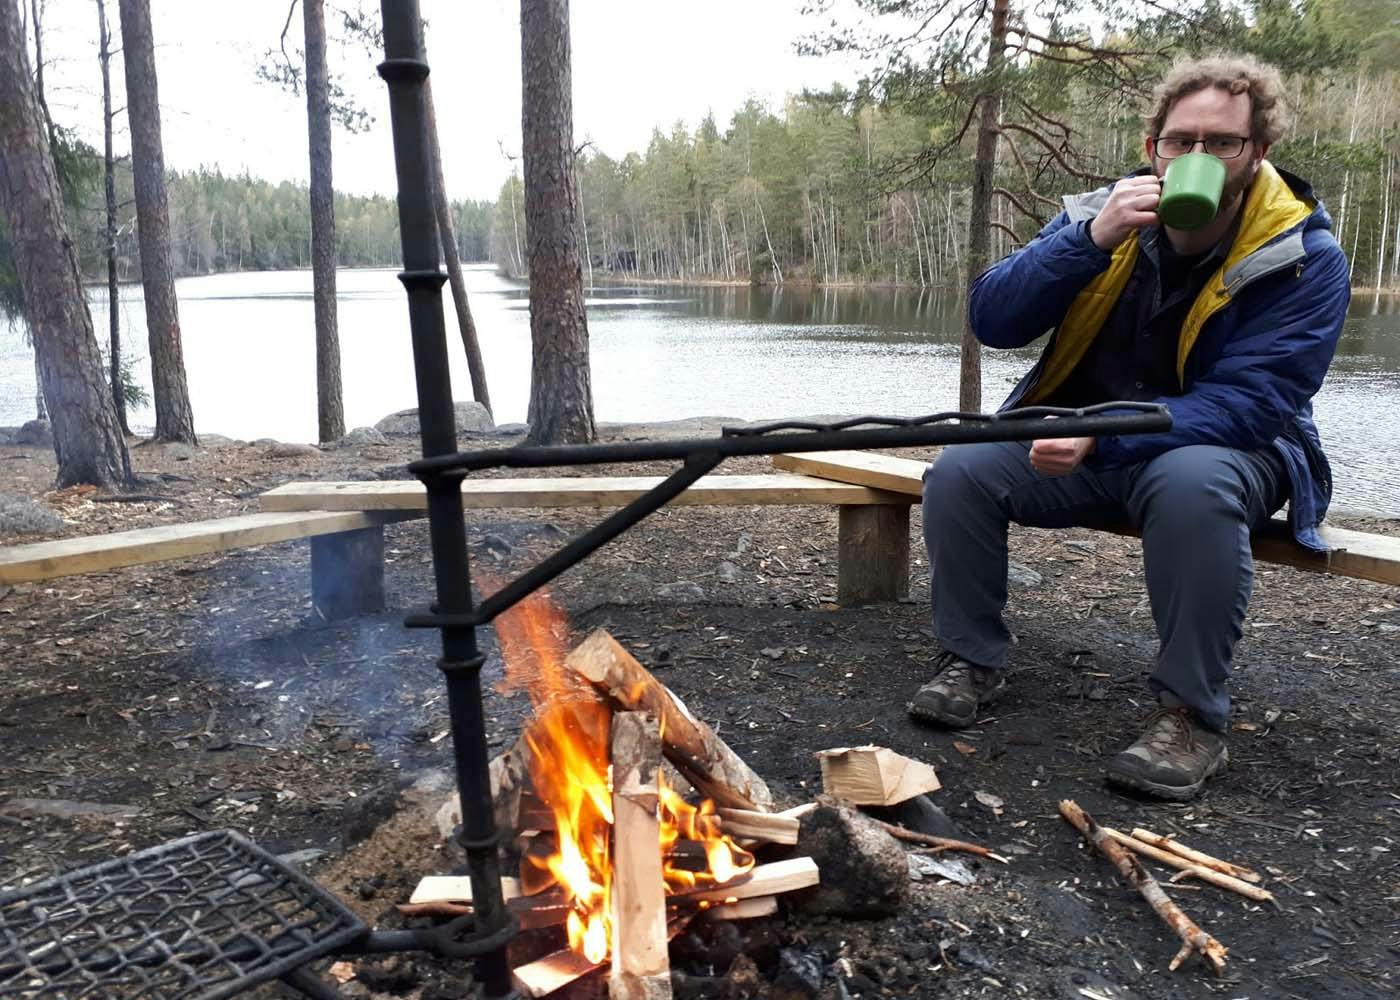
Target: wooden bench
point(345, 524)
point(1354, 553)
point(872, 525)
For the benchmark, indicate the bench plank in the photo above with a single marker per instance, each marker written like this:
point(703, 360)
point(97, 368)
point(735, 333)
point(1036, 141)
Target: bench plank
point(92, 553)
point(410, 495)
point(1354, 553)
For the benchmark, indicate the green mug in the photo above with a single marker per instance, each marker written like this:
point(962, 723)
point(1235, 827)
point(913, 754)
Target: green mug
point(1191, 191)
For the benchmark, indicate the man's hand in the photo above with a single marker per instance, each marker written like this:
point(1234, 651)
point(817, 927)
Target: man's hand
point(1060, 456)
point(1131, 205)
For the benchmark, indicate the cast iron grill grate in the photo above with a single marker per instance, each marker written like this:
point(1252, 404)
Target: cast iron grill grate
point(200, 918)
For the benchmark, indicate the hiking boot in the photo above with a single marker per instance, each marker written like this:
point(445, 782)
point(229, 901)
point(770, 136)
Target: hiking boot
point(957, 691)
point(1172, 758)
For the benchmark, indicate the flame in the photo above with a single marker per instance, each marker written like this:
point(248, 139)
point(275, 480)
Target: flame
point(569, 735)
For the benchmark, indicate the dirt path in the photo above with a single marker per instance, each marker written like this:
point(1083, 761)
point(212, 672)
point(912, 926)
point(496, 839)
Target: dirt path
point(199, 694)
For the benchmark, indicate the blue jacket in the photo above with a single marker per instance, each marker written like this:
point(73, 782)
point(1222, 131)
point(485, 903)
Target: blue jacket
point(1253, 350)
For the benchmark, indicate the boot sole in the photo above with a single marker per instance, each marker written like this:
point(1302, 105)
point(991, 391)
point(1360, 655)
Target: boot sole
point(1171, 793)
point(928, 715)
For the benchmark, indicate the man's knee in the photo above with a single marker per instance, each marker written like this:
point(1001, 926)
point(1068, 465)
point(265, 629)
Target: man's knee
point(1186, 484)
point(963, 474)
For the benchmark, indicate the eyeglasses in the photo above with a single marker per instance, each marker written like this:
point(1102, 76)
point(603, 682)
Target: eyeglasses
point(1224, 147)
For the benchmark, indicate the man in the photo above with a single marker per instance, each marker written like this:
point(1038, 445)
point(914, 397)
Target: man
point(1232, 327)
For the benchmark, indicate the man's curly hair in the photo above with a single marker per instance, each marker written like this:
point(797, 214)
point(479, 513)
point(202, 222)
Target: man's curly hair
point(1268, 115)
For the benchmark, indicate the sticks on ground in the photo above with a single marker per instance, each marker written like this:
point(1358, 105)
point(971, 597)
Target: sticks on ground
point(941, 843)
point(1193, 938)
point(1204, 860)
point(1191, 868)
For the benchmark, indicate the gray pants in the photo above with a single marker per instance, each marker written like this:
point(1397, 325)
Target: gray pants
point(1195, 507)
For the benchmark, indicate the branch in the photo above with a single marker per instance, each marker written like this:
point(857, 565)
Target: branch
point(282, 42)
point(1030, 183)
point(1015, 236)
point(1020, 207)
point(1054, 153)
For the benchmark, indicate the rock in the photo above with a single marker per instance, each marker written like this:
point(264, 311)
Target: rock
point(280, 449)
point(218, 441)
point(7, 435)
point(496, 543)
point(21, 515)
point(682, 591)
point(727, 572)
point(303, 857)
point(36, 432)
point(799, 974)
point(865, 872)
point(1081, 545)
point(391, 473)
point(471, 418)
point(361, 436)
point(919, 814)
point(1022, 576)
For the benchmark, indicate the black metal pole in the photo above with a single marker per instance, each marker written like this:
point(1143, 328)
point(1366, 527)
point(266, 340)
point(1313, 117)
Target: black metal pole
point(404, 69)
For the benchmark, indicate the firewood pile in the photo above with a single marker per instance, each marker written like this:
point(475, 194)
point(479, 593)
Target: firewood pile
point(625, 750)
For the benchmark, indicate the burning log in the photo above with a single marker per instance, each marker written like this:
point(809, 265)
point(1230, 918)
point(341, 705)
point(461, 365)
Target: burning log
point(641, 968)
point(701, 756)
point(874, 776)
point(768, 828)
point(765, 880)
point(1193, 938)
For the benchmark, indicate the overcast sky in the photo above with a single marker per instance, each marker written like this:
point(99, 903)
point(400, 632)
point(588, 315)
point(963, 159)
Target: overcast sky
point(636, 64)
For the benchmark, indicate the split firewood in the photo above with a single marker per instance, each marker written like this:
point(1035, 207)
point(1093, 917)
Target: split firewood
point(743, 909)
point(1194, 940)
point(715, 770)
point(1189, 867)
point(763, 880)
point(510, 779)
point(641, 968)
point(874, 776)
point(1202, 859)
point(531, 911)
point(768, 828)
point(940, 843)
point(560, 968)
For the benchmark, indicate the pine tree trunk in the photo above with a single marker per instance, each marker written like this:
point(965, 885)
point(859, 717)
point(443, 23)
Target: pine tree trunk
point(174, 417)
point(979, 233)
point(561, 394)
point(87, 440)
point(109, 190)
point(446, 236)
point(330, 407)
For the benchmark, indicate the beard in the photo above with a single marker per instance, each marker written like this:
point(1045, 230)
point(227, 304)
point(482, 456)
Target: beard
point(1235, 187)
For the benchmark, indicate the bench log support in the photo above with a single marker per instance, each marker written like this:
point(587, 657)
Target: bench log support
point(872, 543)
point(347, 573)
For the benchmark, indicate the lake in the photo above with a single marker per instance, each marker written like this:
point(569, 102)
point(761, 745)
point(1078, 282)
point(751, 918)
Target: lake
point(660, 353)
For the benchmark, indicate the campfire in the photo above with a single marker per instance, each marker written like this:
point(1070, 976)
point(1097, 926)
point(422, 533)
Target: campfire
point(630, 815)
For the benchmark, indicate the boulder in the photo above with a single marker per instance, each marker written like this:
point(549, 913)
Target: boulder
point(864, 871)
point(35, 432)
point(22, 515)
point(471, 418)
point(361, 436)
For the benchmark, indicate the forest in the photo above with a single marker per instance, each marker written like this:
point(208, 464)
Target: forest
point(844, 186)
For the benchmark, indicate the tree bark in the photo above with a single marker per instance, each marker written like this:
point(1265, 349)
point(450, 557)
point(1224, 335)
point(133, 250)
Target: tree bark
point(330, 408)
point(979, 232)
point(448, 238)
point(109, 186)
point(174, 417)
point(561, 393)
point(87, 440)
